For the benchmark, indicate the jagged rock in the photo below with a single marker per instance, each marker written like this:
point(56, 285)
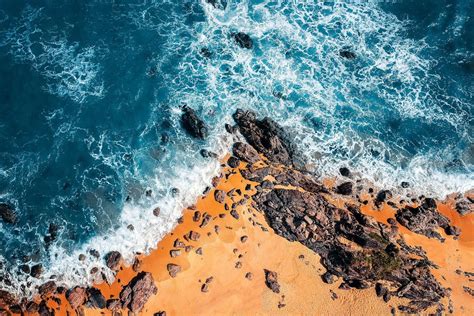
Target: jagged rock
point(218, 4)
point(7, 213)
point(173, 269)
point(245, 152)
point(424, 219)
point(243, 40)
point(405, 184)
point(76, 297)
point(271, 280)
point(382, 196)
point(47, 288)
point(192, 235)
point(193, 124)
point(464, 206)
point(219, 196)
point(136, 293)
point(344, 188)
point(95, 298)
point(208, 154)
point(113, 259)
point(267, 137)
point(233, 162)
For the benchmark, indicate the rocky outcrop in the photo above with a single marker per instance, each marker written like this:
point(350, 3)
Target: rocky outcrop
point(245, 152)
point(425, 220)
point(267, 137)
point(136, 293)
point(7, 213)
point(465, 205)
point(192, 124)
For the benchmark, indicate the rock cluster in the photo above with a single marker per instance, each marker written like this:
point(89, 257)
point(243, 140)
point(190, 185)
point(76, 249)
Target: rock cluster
point(136, 293)
point(194, 125)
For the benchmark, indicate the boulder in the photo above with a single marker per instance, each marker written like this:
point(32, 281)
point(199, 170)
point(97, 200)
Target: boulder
point(173, 269)
point(113, 259)
point(136, 293)
point(76, 297)
point(344, 188)
point(95, 298)
point(193, 125)
point(219, 196)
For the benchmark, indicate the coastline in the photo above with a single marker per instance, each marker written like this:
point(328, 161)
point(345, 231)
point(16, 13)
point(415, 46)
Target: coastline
point(259, 247)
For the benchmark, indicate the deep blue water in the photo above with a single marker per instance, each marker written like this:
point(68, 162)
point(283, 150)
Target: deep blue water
point(90, 93)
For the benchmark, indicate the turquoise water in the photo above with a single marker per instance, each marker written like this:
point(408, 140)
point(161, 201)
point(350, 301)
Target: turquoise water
point(90, 97)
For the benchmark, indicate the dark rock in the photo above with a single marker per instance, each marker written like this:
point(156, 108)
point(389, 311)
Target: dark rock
point(464, 206)
point(160, 313)
point(32, 307)
point(271, 280)
point(452, 230)
point(219, 196)
point(233, 162)
point(173, 269)
point(76, 297)
point(113, 259)
point(345, 172)
point(382, 196)
point(268, 138)
point(208, 154)
point(136, 293)
point(205, 52)
point(328, 277)
point(249, 275)
point(94, 253)
point(344, 188)
point(193, 124)
point(36, 270)
point(405, 184)
point(196, 216)
point(347, 54)
point(95, 298)
point(7, 213)
point(243, 40)
point(246, 152)
point(6, 299)
point(234, 214)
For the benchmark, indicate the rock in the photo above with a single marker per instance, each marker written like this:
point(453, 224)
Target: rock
point(382, 196)
point(464, 206)
point(136, 266)
point(76, 297)
point(94, 253)
point(243, 239)
point(174, 253)
point(156, 211)
point(205, 288)
point(234, 214)
point(424, 220)
point(47, 288)
point(192, 235)
point(345, 172)
point(113, 304)
point(6, 299)
point(173, 269)
point(243, 40)
point(193, 125)
point(452, 230)
point(32, 307)
point(233, 162)
point(160, 313)
point(328, 277)
point(95, 298)
point(113, 259)
point(267, 138)
point(7, 213)
point(208, 154)
point(199, 251)
point(405, 184)
point(344, 188)
point(271, 280)
point(219, 196)
point(249, 275)
point(36, 270)
point(245, 152)
point(347, 54)
point(136, 293)
point(196, 216)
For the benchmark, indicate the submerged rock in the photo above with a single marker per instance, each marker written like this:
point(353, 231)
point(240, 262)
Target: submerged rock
point(193, 124)
point(136, 293)
point(243, 40)
point(7, 213)
point(218, 4)
point(347, 54)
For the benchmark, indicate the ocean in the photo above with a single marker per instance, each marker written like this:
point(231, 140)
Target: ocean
point(91, 95)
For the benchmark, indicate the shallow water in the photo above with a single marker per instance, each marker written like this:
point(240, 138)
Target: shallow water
point(90, 94)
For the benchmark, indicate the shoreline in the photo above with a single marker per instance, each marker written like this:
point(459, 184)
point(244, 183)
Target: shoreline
point(188, 292)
